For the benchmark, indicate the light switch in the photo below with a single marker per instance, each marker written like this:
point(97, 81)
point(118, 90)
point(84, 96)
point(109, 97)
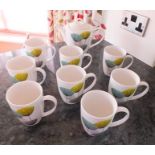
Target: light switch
point(134, 22)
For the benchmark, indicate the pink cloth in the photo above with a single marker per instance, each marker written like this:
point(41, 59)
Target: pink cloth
point(62, 17)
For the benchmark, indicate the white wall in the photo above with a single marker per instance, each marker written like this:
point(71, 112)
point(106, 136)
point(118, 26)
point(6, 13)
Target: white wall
point(141, 47)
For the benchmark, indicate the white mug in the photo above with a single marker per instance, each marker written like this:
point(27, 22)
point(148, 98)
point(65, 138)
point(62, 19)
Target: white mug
point(73, 55)
point(124, 83)
point(38, 49)
point(114, 57)
point(22, 68)
point(81, 34)
point(71, 82)
point(27, 102)
point(98, 109)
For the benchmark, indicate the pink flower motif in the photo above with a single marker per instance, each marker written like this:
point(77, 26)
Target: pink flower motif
point(103, 26)
point(98, 36)
point(72, 18)
point(80, 16)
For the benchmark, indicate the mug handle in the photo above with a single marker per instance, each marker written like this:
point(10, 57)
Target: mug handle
point(124, 119)
point(92, 45)
point(53, 55)
point(142, 83)
point(54, 100)
point(92, 84)
point(90, 61)
point(38, 69)
point(130, 57)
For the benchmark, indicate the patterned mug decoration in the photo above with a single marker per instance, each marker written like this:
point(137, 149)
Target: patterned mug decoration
point(73, 90)
point(21, 76)
point(35, 52)
point(79, 37)
point(26, 112)
point(125, 93)
point(98, 125)
point(72, 62)
point(114, 63)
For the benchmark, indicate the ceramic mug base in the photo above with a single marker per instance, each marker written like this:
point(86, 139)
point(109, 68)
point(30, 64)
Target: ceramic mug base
point(73, 101)
point(30, 123)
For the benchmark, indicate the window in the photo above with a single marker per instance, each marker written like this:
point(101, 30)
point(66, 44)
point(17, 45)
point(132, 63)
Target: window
point(33, 21)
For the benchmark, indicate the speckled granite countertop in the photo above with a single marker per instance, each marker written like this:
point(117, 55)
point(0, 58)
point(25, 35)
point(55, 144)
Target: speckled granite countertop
point(64, 126)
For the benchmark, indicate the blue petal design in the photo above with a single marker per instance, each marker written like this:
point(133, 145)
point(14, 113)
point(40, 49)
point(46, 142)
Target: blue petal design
point(66, 92)
point(88, 124)
point(14, 80)
point(117, 93)
point(17, 115)
point(29, 54)
point(64, 63)
point(76, 37)
point(110, 64)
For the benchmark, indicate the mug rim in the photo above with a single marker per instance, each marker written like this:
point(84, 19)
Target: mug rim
point(35, 38)
point(20, 83)
point(74, 66)
point(114, 104)
point(122, 50)
point(129, 71)
point(20, 70)
point(77, 31)
point(80, 50)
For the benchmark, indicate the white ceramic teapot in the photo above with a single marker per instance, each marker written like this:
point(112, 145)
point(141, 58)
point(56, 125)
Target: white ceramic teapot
point(80, 34)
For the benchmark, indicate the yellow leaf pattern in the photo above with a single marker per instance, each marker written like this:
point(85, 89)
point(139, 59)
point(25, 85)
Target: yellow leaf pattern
point(26, 111)
point(85, 34)
point(21, 76)
point(128, 92)
point(74, 62)
point(118, 61)
point(102, 124)
point(36, 52)
point(77, 88)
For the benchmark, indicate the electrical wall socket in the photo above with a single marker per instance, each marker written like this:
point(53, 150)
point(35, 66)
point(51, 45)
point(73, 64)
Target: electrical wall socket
point(134, 22)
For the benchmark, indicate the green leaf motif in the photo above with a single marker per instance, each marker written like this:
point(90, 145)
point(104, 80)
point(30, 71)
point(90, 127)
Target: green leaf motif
point(117, 93)
point(109, 63)
point(112, 64)
point(77, 87)
point(66, 92)
point(118, 61)
point(21, 76)
point(102, 124)
point(26, 111)
point(73, 90)
point(124, 93)
point(76, 37)
point(74, 62)
point(97, 125)
point(85, 34)
point(128, 92)
point(88, 124)
point(36, 52)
